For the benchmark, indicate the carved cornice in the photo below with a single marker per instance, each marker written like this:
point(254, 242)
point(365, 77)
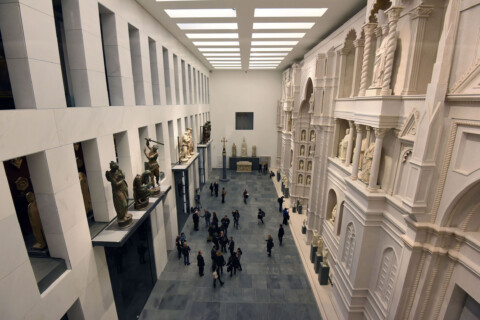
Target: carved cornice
point(422, 11)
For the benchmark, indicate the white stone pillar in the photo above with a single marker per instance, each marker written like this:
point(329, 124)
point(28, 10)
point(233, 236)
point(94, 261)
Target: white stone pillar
point(393, 16)
point(342, 55)
point(358, 150)
point(367, 54)
point(377, 152)
point(348, 158)
point(357, 68)
point(368, 138)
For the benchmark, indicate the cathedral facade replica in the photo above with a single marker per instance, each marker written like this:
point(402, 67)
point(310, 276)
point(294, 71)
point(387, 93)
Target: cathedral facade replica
point(386, 110)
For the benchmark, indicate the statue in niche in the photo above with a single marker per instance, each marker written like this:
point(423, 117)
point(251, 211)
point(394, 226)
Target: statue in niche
point(310, 151)
point(288, 86)
point(35, 222)
point(152, 163)
point(316, 238)
point(309, 166)
point(302, 150)
point(312, 136)
point(309, 180)
point(367, 163)
point(320, 246)
point(379, 66)
point(87, 200)
point(22, 183)
point(234, 151)
point(254, 151)
point(334, 214)
point(325, 258)
point(300, 165)
point(300, 179)
point(207, 127)
point(304, 223)
point(244, 148)
point(190, 143)
point(362, 152)
point(342, 146)
point(184, 153)
point(120, 194)
point(285, 181)
point(141, 193)
point(311, 103)
point(303, 137)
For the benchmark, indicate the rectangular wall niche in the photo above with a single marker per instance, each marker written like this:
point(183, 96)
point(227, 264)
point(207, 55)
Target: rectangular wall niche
point(243, 120)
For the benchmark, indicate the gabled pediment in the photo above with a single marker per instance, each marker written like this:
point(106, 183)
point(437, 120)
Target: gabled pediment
point(469, 83)
point(409, 129)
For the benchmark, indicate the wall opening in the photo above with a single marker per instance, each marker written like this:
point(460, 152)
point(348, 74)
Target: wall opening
point(136, 58)
point(166, 72)
point(152, 50)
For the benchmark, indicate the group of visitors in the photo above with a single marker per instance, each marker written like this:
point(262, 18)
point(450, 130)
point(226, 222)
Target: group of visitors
point(263, 168)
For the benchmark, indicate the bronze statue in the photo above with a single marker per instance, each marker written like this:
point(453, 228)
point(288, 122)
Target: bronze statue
point(87, 200)
point(152, 162)
point(120, 194)
point(207, 127)
point(35, 221)
point(141, 193)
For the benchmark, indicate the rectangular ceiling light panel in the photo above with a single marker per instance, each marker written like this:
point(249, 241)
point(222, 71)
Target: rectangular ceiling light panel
point(207, 26)
point(266, 58)
point(226, 58)
point(282, 25)
point(268, 54)
point(274, 43)
point(219, 49)
point(279, 35)
point(212, 35)
point(201, 13)
point(273, 49)
point(221, 54)
point(216, 43)
point(289, 12)
point(262, 67)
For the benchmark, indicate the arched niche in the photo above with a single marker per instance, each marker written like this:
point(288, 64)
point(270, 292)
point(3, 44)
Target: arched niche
point(347, 65)
point(341, 131)
point(465, 212)
point(300, 179)
point(303, 135)
point(331, 203)
point(378, 5)
point(301, 165)
point(309, 166)
point(308, 180)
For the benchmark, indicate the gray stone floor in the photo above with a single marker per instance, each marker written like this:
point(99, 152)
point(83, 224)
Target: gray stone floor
point(267, 288)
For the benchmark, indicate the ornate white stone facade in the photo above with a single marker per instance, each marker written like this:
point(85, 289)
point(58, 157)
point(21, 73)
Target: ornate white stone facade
point(403, 77)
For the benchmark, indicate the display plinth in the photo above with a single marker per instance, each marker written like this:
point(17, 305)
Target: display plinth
point(234, 160)
point(313, 253)
point(244, 166)
point(318, 262)
point(286, 193)
point(323, 275)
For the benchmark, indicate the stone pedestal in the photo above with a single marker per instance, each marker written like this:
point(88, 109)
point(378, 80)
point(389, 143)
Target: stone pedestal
point(313, 253)
point(244, 166)
point(323, 275)
point(318, 263)
point(286, 193)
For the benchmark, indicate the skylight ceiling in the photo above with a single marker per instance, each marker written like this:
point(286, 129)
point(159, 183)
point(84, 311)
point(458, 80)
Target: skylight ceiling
point(253, 34)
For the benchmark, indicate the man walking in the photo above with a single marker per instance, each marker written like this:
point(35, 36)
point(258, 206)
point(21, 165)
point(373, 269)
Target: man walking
point(260, 215)
point(211, 189)
point(207, 216)
point(215, 186)
point(224, 193)
point(236, 218)
point(200, 263)
point(186, 254)
point(223, 241)
point(245, 196)
point(280, 203)
point(196, 220)
point(225, 223)
point(231, 246)
point(281, 232)
point(286, 216)
point(270, 245)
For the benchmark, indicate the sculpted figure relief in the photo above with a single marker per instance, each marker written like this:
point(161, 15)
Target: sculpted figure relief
point(367, 163)
point(316, 238)
point(234, 151)
point(303, 136)
point(378, 69)
point(300, 179)
point(285, 181)
point(190, 142)
point(35, 222)
point(120, 194)
point(300, 165)
point(342, 146)
point(185, 142)
point(312, 136)
point(309, 181)
point(152, 162)
point(302, 150)
point(244, 148)
point(309, 166)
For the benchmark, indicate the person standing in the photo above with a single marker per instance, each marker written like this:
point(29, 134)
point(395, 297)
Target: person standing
point(178, 243)
point(220, 262)
point(183, 238)
point(231, 246)
point(211, 189)
point(215, 219)
point(207, 216)
point(186, 254)
point(225, 224)
point(260, 215)
point(245, 196)
point(236, 218)
point(270, 245)
point(200, 263)
point(223, 241)
point(281, 232)
point(239, 256)
point(213, 256)
point(215, 240)
point(232, 264)
point(224, 193)
point(215, 186)
point(216, 276)
point(280, 203)
point(286, 216)
point(196, 220)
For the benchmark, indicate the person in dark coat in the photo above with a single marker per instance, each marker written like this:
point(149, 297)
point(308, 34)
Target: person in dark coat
point(245, 196)
point(270, 245)
point(211, 189)
point(225, 224)
point(281, 232)
point(220, 262)
point(215, 219)
point(280, 203)
point(223, 242)
point(213, 256)
point(207, 216)
point(215, 240)
point(200, 263)
point(186, 254)
point(286, 216)
point(239, 256)
point(196, 220)
point(231, 246)
point(215, 186)
point(178, 243)
point(217, 273)
point(236, 218)
point(232, 264)
point(224, 193)
point(260, 215)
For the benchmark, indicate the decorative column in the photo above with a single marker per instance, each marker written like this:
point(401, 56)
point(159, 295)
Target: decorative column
point(393, 15)
point(377, 152)
point(348, 157)
point(366, 63)
point(358, 151)
point(357, 67)
point(418, 17)
point(367, 139)
point(342, 55)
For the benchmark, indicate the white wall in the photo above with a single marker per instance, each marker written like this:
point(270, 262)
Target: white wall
point(239, 91)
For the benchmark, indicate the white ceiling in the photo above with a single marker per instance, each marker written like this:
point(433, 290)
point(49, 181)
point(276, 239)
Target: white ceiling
point(338, 12)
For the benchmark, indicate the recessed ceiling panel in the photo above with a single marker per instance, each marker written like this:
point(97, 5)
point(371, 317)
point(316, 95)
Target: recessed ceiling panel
point(201, 13)
point(289, 12)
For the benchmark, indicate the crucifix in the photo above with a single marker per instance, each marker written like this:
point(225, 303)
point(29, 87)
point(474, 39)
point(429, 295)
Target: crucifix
point(224, 156)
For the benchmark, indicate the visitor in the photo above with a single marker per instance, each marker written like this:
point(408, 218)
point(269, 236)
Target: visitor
point(216, 276)
point(260, 215)
point(245, 196)
point(231, 246)
point(224, 193)
point(186, 254)
point(270, 245)
point(239, 256)
point(220, 262)
point(280, 203)
point(281, 232)
point(236, 218)
point(225, 224)
point(211, 189)
point(215, 186)
point(286, 216)
point(207, 216)
point(200, 263)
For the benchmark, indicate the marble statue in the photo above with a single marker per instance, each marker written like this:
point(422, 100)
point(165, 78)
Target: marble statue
point(300, 165)
point(254, 151)
point(309, 166)
point(35, 222)
point(87, 200)
point(312, 136)
point(288, 87)
point(310, 151)
point(234, 151)
point(304, 223)
point(120, 194)
point(334, 213)
point(289, 123)
point(309, 181)
point(379, 65)
point(362, 152)
point(184, 151)
point(141, 193)
point(302, 150)
point(316, 238)
point(190, 142)
point(285, 181)
point(342, 146)
point(152, 162)
point(300, 179)
point(244, 148)
point(303, 137)
point(325, 258)
point(367, 163)
point(320, 246)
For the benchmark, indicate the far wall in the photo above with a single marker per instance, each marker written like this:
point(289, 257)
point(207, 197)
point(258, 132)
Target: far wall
point(240, 91)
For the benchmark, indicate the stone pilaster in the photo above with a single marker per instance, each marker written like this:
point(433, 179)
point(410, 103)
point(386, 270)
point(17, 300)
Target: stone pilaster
point(358, 150)
point(348, 158)
point(379, 135)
